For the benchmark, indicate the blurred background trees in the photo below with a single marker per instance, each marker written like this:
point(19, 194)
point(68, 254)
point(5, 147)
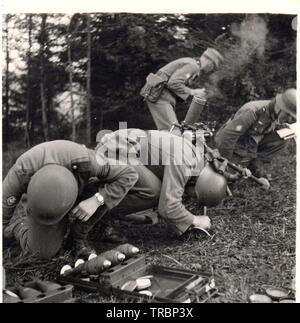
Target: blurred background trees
point(69, 76)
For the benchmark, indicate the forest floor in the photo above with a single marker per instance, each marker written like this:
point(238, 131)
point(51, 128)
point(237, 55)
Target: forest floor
point(252, 246)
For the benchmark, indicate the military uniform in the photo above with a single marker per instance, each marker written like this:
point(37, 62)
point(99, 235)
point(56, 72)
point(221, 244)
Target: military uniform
point(250, 133)
point(178, 74)
point(114, 181)
point(166, 163)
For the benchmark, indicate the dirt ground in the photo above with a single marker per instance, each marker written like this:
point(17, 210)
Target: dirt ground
point(252, 246)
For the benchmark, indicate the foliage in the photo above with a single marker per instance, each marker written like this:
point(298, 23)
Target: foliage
point(125, 48)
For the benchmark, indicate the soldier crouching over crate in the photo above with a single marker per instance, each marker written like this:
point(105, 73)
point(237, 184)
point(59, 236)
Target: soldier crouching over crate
point(168, 166)
point(250, 135)
point(55, 176)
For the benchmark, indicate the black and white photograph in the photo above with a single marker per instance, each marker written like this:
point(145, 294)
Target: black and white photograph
point(149, 157)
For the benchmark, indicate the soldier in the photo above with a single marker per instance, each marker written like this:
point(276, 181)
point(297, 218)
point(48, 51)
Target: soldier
point(55, 176)
point(172, 82)
point(168, 166)
point(250, 137)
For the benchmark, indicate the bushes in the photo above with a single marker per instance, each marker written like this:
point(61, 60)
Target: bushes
point(126, 47)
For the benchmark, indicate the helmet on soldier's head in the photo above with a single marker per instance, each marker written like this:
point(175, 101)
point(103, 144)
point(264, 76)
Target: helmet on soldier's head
point(286, 102)
point(214, 56)
point(210, 187)
point(51, 193)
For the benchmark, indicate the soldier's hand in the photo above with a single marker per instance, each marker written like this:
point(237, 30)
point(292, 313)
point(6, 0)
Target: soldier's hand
point(85, 209)
point(201, 221)
point(189, 135)
point(246, 173)
point(264, 183)
point(199, 93)
point(215, 153)
point(287, 125)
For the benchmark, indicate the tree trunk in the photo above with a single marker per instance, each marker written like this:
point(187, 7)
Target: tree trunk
point(101, 119)
point(28, 98)
point(42, 79)
point(71, 88)
point(6, 100)
point(88, 83)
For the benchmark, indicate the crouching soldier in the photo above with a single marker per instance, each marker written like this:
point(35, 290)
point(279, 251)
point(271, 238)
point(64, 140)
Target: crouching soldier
point(55, 176)
point(250, 136)
point(168, 166)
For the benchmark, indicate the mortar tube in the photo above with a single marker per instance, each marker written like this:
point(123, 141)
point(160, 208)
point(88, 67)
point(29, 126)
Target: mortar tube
point(196, 107)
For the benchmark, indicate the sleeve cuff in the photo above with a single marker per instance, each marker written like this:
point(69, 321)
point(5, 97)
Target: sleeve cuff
point(181, 227)
point(107, 200)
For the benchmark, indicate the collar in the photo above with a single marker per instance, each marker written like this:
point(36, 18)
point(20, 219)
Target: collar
point(271, 109)
point(197, 59)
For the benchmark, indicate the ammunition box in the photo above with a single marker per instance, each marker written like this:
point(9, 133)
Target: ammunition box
point(63, 294)
point(168, 285)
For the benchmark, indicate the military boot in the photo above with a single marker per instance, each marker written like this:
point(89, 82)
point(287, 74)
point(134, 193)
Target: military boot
point(79, 235)
point(108, 233)
point(17, 229)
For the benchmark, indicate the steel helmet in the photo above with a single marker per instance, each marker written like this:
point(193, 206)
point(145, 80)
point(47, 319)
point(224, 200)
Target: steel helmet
point(51, 193)
point(287, 102)
point(210, 187)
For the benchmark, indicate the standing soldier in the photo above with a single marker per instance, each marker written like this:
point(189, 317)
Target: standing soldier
point(55, 176)
point(171, 83)
point(250, 136)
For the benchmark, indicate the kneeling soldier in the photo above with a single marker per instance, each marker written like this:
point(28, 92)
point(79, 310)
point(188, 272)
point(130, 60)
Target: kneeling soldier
point(168, 167)
point(55, 176)
point(250, 137)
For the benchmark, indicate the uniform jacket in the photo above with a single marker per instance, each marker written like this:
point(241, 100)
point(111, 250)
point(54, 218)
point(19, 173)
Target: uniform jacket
point(173, 159)
point(116, 180)
point(180, 73)
point(247, 127)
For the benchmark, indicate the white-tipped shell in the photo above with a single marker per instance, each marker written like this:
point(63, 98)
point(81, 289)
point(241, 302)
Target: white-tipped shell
point(10, 293)
point(78, 262)
point(64, 269)
point(277, 293)
point(146, 277)
point(187, 301)
point(106, 263)
point(129, 286)
point(135, 250)
point(143, 283)
point(260, 298)
point(92, 256)
point(121, 256)
point(146, 292)
point(287, 301)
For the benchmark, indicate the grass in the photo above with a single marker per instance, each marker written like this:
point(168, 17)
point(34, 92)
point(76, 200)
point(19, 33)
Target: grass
point(253, 245)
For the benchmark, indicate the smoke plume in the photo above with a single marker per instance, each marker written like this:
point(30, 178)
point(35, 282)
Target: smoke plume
point(247, 40)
